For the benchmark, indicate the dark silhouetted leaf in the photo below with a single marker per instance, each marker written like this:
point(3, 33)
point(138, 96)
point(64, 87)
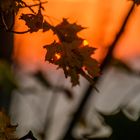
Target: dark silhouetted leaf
point(73, 57)
point(35, 22)
point(67, 32)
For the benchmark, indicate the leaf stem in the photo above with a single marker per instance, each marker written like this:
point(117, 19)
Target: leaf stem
point(91, 81)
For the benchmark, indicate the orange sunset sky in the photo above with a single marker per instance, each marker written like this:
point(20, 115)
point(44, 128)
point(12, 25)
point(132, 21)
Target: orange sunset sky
point(102, 19)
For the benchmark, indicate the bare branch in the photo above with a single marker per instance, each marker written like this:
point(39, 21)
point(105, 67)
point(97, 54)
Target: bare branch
point(30, 6)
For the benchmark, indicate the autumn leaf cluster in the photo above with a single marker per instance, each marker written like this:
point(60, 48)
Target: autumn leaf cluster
point(69, 53)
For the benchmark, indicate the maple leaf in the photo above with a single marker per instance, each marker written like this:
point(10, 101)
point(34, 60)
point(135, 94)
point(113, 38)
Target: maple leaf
point(71, 54)
point(73, 57)
point(90, 65)
point(73, 73)
point(67, 32)
point(35, 22)
point(7, 131)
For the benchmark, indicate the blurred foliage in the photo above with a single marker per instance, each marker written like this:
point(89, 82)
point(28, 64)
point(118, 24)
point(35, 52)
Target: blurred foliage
point(137, 1)
point(7, 131)
point(7, 78)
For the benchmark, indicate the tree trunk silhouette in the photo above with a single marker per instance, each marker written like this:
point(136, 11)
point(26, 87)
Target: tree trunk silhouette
point(6, 48)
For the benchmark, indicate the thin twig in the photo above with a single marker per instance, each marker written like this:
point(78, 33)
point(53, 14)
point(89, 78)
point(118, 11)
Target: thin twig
point(28, 7)
point(7, 29)
point(34, 5)
point(91, 81)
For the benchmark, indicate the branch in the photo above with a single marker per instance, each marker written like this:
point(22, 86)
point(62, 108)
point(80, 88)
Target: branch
point(75, 119)
point(7, 29)
point(29, 6)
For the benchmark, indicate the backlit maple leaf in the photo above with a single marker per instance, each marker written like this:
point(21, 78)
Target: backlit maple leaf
point(72, 53)
point(35, 22)
point(74, 58)
point(67, 32)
